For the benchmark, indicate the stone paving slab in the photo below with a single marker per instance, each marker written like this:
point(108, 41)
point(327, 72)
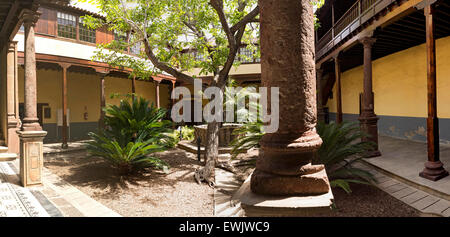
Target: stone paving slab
point(424, 202)
point(405, 159)
point(226, 186)
point(71, 201)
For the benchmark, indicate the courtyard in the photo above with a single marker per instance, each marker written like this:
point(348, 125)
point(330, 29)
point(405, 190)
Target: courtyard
point(78, 185)
point(211, 108)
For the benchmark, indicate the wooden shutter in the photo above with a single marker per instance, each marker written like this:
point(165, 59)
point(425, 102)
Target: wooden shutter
point(47, 22)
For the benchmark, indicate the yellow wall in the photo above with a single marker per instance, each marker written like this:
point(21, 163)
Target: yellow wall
point(48, 90)
point(164, 96)
point(114, 85)
point(399, 83)
point(83, 93)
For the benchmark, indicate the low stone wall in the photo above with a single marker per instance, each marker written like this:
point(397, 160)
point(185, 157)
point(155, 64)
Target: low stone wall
point(225, 133)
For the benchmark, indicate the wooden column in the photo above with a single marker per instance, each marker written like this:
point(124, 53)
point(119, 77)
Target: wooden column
point(173, 88)
point(133, 87)
point(368, 119)
point(102, 73)
point(434, 169)
point(337, 73)
point(332, 20)
point(320, 112)
point(158, 105)
point(64, 67)
point(30, 121)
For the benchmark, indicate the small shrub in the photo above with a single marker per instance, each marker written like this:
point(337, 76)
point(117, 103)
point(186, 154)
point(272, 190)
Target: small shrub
point(133, 131)
point(187, 133)
point(247, 137)
point(341, 148)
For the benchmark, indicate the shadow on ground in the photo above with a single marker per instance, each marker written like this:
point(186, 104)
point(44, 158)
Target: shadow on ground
point(86, 170)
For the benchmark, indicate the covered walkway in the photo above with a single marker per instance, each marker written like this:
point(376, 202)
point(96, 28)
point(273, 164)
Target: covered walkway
point(404, 160)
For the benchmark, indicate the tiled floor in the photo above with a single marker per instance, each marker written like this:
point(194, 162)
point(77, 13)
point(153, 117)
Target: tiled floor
point(55, 198)
point(16, 201)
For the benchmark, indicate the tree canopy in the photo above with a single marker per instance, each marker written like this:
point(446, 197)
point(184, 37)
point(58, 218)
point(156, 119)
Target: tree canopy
point(177, 35)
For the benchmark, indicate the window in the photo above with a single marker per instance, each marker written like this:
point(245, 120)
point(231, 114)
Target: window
point(86, 34)
point(246, 55)
point(198, 56)
point(67, 25)
point(136, 47)
point(121, 39)
point(119, 36)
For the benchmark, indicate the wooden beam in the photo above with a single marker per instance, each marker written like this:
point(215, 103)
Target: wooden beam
point(337, 69)
point(11, 14)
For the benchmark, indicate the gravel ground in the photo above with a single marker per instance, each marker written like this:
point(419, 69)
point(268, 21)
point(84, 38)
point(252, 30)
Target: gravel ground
point(369, 201)
point(147, 193)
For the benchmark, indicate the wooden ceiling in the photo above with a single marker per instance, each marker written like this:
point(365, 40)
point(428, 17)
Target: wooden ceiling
point(405, 33)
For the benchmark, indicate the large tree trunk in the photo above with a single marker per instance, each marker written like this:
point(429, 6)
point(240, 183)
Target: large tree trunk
point(207, 173)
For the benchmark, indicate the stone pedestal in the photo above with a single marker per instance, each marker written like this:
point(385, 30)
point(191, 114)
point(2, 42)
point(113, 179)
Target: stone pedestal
point(12, 98)
point(285, 183)
point(31, 157)
point(256, 205)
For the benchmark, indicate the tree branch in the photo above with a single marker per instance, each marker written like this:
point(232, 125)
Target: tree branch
point(163, 67)
point(247, 18)
point(218, 6)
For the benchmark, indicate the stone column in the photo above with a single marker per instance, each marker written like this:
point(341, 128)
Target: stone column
point(158, 105)
point(368, 119)
point(337, 74)
point(30, 121)
point(320, 112)
point(31, 136)
point(287, 62)
point(434, 168)
point(13, 121)
point(285, 183)
point(64, 67)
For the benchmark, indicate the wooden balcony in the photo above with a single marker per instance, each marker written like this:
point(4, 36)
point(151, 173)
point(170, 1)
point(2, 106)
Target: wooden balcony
point(355, 18)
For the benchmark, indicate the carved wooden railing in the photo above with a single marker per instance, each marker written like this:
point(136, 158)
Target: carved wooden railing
point(358, 14)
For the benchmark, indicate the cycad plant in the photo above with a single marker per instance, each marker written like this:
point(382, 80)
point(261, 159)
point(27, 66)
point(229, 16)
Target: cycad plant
point(133, 131)
point(127, 120)
point(247, 137)
point(341, 148)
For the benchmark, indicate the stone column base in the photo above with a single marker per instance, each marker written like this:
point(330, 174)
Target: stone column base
point(368, 124)
point(433, 171)
point(31, 157)
point(256, 205)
